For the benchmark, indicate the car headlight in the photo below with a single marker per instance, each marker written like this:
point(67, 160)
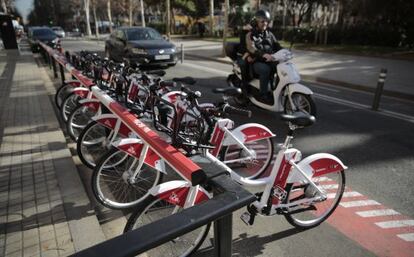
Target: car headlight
point(138, 51)
point(173, 50)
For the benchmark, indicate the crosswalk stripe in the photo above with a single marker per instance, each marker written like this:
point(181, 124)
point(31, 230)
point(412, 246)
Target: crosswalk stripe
point(409, 237)
point(359, 203)
point(376, 213)
point(395, 223)
point(346, 194)
point(332, 186)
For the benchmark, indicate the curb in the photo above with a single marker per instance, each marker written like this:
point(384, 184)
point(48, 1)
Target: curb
point(324, 81)
point(83, 223)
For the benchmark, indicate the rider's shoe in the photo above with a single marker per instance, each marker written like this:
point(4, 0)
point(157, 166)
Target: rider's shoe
point(266, 98)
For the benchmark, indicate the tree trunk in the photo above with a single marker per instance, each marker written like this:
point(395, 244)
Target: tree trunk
point(142, 13)
point(211, 18)
point(130, 12)
point(168, 23)
point(108, 8)
point(284, 19)
point(226, 25)
point(4, 6)
point(96, 21)
point(88, 25)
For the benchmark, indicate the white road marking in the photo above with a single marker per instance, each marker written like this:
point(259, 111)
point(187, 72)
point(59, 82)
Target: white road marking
point(204, 68)
point(409, 237)
point(365, 107)
point(335, 186)
point(395, 223)
point(359, 203)
point(346, 194)
point(376, 213)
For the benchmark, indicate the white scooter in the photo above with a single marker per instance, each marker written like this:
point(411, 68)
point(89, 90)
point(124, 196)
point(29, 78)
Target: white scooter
point(288, 95)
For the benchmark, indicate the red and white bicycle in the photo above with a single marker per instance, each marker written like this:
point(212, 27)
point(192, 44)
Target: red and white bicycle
point(305, 191)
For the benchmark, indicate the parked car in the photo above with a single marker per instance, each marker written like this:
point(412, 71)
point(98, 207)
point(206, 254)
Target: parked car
point(43, 34)
point(137, 43)
point(59, 31)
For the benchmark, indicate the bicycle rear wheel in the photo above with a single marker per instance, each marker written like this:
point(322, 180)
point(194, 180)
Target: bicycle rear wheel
point(236, 158)
point(154, 209)
point(112, 184)
point(312, 214)
point(78, 119)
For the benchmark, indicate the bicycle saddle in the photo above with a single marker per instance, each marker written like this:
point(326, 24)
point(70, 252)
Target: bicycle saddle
point(299, 119)
point(230, 91)
point(185, 80)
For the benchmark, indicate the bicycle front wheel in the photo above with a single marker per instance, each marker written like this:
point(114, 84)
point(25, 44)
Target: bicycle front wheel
point(113, 183)
point(68, 105)
point(249, 165)
point(311, 214)
point(62, 93)
point(93, 143)
point(78, 119)
point(154, 209)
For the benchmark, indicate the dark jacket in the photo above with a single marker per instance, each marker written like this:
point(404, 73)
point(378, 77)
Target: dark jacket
point(260, 43)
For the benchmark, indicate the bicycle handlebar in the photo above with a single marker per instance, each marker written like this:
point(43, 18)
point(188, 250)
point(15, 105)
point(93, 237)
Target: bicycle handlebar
point(233, 110)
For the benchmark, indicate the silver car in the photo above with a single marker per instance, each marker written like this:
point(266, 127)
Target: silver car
point(59, 31)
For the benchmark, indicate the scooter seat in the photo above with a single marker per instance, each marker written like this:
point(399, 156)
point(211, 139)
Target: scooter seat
point(299, 119)
point(229, 91)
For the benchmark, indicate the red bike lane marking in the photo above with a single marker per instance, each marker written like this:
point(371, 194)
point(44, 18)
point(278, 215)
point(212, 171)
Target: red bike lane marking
point(375, 227)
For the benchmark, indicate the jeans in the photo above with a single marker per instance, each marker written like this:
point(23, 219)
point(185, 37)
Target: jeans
point(265, 71)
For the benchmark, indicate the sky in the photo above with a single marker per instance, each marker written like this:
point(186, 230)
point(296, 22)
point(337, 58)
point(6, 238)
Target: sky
point(24, 7)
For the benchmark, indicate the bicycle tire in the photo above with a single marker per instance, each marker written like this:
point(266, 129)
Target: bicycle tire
point(78, 119)
point(97, 136)
point(296, 218)
point(266, 149)
point(144, 208)
point(68, 105)
point(61, 93)
point(108, 194)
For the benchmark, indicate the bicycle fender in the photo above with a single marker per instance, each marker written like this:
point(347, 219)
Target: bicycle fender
point(81, 91)
point(316, 165)
point(73, 83)
point(91, 103)
point(248, 133)
point(134, 146)
point(296, 87)
point(176, 192)
point(110, 120)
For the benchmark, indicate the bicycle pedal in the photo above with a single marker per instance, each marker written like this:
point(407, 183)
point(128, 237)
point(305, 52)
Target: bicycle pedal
point(245, 217)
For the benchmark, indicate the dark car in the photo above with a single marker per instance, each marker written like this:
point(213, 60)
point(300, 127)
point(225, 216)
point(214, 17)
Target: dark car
point(137, 43)
point(42, 34)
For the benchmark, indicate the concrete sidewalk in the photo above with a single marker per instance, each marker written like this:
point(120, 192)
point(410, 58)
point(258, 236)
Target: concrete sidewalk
point(358, 72)
point(44, 210)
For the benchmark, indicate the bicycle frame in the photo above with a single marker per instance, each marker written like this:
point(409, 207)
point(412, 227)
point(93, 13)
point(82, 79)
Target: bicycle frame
point(287, 169)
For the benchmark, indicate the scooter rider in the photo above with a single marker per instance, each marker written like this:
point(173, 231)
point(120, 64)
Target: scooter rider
point(261, 43)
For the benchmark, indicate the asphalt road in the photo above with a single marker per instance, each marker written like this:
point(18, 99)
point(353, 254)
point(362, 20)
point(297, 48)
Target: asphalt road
point(376, 146)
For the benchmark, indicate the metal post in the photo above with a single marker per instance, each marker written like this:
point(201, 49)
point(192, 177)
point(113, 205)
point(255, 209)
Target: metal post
point(62, 73)
point(223, 236)
point(49, 60)
point(182, 53)
point(55, 75)
point(380, 88)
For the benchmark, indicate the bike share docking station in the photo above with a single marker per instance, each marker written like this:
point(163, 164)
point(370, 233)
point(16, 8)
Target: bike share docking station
point(228, 196)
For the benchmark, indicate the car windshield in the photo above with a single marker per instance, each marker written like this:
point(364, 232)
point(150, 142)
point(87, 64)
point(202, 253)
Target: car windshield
point(143, 34)
point(43, 32)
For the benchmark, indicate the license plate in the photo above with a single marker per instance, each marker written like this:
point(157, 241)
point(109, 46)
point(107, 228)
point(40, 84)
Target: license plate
point(162, 57)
